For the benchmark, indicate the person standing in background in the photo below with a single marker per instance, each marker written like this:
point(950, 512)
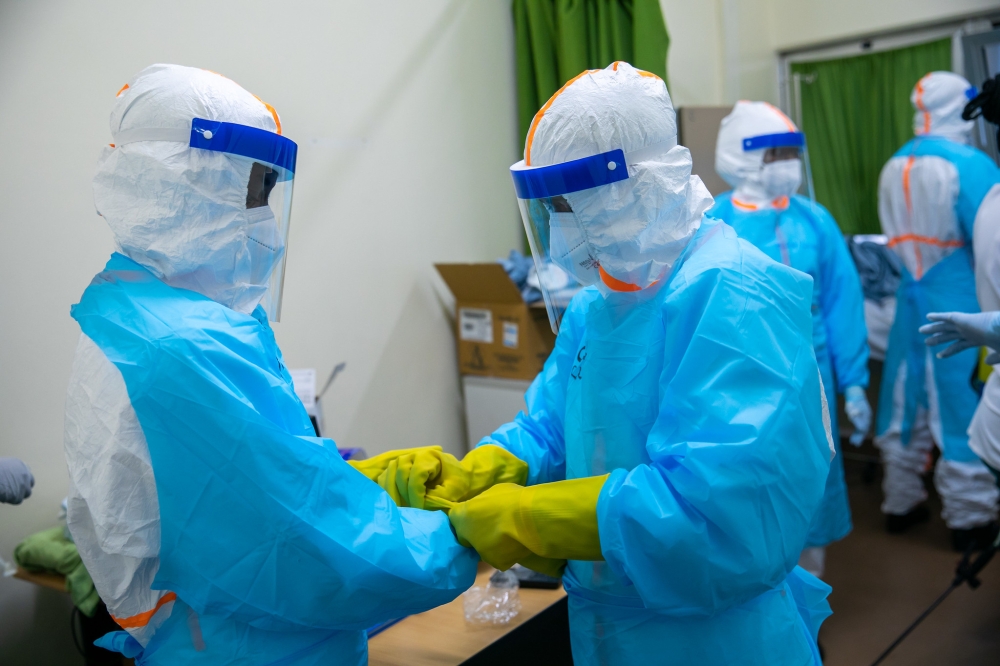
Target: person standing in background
point(929, 194)
point(758, 152)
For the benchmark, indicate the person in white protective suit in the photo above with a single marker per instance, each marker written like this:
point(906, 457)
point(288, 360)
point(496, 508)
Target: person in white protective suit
point(216, 527)
point(965, 331)
point(677, 440)
point(929, 194)
point(759, 152)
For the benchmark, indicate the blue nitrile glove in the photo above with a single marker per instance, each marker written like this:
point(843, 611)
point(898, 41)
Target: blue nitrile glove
point(964, 331)
point(859, 411)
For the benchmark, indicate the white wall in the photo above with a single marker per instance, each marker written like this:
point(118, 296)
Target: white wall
point(805, 22)
point(725, 50)
point(404, 113)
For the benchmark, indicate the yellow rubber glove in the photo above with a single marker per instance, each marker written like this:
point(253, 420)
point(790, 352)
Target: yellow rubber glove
point(539, 527)
point(408, 475)
point(404, 473)
point(374, 467)
point(480, 469)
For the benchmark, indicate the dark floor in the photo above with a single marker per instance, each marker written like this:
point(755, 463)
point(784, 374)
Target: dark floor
point(882, 582)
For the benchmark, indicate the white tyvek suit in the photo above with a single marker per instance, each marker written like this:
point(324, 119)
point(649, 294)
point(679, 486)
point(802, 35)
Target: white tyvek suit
point(984, 431)
point(929, 194)
point(182, 214)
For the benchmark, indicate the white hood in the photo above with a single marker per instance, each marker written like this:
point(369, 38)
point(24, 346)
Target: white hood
point(939, 98)
point(178, 211)
point(744, 169)
point(635, 228)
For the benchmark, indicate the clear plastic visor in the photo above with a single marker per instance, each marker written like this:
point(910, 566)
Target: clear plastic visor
point(561, 255)
point(786, 146)
point(269, 197)
point(556, 284)
point(269, 211)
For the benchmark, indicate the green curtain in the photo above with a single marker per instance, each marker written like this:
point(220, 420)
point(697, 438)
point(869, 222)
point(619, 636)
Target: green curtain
point(856, 113)
point(558, 39)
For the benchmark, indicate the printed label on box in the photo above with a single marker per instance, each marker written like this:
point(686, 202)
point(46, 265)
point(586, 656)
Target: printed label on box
point(510, 334)
point(475, 325)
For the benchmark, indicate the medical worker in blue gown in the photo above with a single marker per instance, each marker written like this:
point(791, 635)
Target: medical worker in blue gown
point(758, 152)
point(216, 528)
point(930, 193)
point(677, 440)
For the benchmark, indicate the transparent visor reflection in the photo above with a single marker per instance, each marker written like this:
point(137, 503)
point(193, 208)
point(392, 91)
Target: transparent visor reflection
point(536, 215)
point(268, 204)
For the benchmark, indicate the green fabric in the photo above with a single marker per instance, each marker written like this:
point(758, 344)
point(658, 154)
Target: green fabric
point(856, 113)
point(558, 39)
point(51, 552)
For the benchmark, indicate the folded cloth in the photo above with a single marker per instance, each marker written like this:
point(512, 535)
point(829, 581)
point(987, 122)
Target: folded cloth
point(50, 551)
point(878, 266)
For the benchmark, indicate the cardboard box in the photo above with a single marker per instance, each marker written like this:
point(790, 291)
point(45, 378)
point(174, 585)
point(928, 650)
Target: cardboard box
point(497, 333)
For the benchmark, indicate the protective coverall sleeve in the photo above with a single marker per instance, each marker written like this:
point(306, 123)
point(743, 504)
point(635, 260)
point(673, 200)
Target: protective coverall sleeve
point(843, 305)
point(739, 450)
point(278, 530)
point(536, 436)
point(259, 522)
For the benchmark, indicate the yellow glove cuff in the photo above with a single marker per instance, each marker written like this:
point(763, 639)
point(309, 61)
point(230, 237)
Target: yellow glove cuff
point(559, 520)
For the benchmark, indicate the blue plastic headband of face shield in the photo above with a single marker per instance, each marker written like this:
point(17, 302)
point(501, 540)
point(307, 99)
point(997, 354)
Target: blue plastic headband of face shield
point(257, 144)
point(567, 177)
point(781, 140)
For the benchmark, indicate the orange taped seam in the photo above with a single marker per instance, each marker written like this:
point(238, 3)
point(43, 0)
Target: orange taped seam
point(926, 240)
point(742, 204)
point(615, 283)
point(121, 90)
point(640, 72)
point(142, 619)
point(920, 92)
point(909, 205)
point(785, 119)
point(541, 112)
point(781, 203)
point(274, 114)
point(906, 181)
point(920, 104)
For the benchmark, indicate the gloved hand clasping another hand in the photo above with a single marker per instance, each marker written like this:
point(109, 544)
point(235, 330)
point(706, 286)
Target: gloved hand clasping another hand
point(539, 527)
point(410, 476)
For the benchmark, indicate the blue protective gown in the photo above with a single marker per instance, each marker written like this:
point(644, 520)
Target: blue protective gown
point(806, 237)
point(278, 550)
point(948, 286)
point(701, 397)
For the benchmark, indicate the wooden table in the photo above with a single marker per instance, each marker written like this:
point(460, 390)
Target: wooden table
point(51, 580)
point(440, 636)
